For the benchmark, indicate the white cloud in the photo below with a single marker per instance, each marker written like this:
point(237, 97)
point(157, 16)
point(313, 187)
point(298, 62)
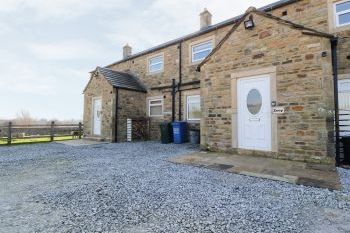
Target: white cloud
point(47, 76)
point(65, 50)
point(165, 20)
point(63, 9)
point(24, 78)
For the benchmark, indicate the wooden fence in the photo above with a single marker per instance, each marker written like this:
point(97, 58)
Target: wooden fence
point(11, 132)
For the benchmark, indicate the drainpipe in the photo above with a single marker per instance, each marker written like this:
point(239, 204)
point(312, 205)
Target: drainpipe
point(116, 115)
point(180, 80)
point(173, 96)
point(334, 44)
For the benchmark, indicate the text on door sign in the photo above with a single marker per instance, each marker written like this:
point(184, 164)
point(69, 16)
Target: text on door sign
point(278, 110)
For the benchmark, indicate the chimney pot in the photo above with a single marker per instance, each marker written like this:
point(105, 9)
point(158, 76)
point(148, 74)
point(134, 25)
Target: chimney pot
point(127, 50)
point(205, 19)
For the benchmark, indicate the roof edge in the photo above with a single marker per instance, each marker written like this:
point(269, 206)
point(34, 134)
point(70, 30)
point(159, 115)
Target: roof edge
point(214, 27)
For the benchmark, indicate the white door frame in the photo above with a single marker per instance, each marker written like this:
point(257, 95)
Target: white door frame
point(93, 117)
point(266, 107)
point(246, 73)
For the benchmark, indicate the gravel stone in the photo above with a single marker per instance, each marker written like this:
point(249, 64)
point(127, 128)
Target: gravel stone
point(131, 187)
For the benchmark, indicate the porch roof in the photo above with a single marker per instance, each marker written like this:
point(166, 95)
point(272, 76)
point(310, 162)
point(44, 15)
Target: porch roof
point(122, 80)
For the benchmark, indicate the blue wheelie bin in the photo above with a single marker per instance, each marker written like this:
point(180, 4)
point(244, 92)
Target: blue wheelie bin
point(180, 132)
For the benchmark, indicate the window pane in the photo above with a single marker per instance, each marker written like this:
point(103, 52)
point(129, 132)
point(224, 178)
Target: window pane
point(200, 47)
point(156, 110)
point(156, 67)
point(194, 111)
point(201, 55)
point(193, 99)
point(344, 19)
point(343, 6)
point(254, 101)
point(155, 60)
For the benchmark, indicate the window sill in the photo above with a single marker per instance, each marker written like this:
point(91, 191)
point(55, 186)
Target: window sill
point(193, 120)
point(155, 73)
point(341, 28)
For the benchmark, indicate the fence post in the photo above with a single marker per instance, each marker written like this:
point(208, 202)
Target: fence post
point(9, 134)
point(52, 131)
point(80, 130)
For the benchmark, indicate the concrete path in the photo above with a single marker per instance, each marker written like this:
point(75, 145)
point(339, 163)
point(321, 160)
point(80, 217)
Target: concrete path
point(316, 175)
point(80, 142)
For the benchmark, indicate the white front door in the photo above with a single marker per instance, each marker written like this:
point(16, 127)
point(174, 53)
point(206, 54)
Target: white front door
point(254, 113)
point(97, 116)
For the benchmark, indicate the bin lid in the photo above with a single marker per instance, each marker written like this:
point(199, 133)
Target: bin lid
point(179, 123)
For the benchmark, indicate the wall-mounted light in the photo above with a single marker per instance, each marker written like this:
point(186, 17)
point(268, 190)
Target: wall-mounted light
point(249, 24)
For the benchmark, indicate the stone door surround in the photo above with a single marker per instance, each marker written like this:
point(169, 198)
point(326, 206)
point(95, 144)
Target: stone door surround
point(271, 71)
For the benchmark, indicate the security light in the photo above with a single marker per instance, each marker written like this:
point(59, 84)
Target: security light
point(249, 24)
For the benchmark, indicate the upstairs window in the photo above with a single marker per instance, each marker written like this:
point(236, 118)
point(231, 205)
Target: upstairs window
point(200, 51)
point(342, 13)
point(155, 108)
point(155, 64)
point(194, 108)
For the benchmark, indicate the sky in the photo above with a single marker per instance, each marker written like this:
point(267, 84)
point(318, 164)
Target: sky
point(48, 47)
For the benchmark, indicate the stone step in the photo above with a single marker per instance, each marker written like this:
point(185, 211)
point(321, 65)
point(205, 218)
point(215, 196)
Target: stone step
point(95, 138)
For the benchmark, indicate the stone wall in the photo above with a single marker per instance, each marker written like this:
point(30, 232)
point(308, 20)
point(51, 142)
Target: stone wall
point(132, 104)
point(298, 63)
point(303, 87)
point(99, 87)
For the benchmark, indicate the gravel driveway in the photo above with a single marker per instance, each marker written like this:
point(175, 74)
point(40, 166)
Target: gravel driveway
point(132, 188)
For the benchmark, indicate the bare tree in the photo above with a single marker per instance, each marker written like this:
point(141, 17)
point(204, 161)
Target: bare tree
point(24, 118)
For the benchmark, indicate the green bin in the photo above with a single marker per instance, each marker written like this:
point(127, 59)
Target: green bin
point(166, 132)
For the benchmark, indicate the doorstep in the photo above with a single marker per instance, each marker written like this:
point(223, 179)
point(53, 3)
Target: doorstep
point(80, 142)
point(301, 173)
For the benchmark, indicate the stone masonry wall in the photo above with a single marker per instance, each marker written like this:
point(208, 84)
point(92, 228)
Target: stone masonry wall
point(311, 13)
point(304, 85)
point(99, 87)
point(132, 104)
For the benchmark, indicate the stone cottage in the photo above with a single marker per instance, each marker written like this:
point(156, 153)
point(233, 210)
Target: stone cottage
point(259, 83)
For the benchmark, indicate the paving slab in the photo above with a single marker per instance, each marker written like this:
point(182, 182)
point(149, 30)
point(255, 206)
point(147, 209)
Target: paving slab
point(295, 172)
point(80, 142)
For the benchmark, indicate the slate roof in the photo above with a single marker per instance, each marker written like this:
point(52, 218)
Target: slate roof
point(266, 8)
point(122, 80)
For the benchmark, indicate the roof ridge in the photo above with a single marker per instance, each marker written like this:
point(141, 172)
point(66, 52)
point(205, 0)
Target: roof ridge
point(224, 23)
point(312, 32)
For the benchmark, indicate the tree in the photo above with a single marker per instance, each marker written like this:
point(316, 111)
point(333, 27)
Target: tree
point(24, 118)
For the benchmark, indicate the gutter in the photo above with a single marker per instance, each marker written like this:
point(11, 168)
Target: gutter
point(180, 80)
point(173, 96)
point(334, 45)
point(116, 115)
point(228, 22)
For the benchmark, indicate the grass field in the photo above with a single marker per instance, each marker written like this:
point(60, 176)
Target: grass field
point(3, 141)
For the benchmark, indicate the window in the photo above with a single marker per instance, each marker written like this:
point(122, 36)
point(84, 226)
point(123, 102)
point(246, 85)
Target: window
point(342, 13)
point(155, 64)
point(200, 51)
point(194, 107)
point(155, 107)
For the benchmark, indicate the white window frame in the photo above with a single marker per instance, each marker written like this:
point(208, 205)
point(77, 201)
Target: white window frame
point(337, 14)
point(199, 44)
point(161, 62)
point(153, 105)
point(187, 107)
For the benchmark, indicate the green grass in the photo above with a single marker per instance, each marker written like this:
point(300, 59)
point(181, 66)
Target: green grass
point(3, 141)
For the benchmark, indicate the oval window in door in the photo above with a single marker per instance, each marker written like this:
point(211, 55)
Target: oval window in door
point(254, 101)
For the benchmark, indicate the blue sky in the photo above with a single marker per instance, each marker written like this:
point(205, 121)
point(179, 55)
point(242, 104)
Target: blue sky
point(48, 47)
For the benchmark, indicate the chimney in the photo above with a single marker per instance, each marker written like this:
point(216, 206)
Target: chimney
point(126, 51)
point(205, 19)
